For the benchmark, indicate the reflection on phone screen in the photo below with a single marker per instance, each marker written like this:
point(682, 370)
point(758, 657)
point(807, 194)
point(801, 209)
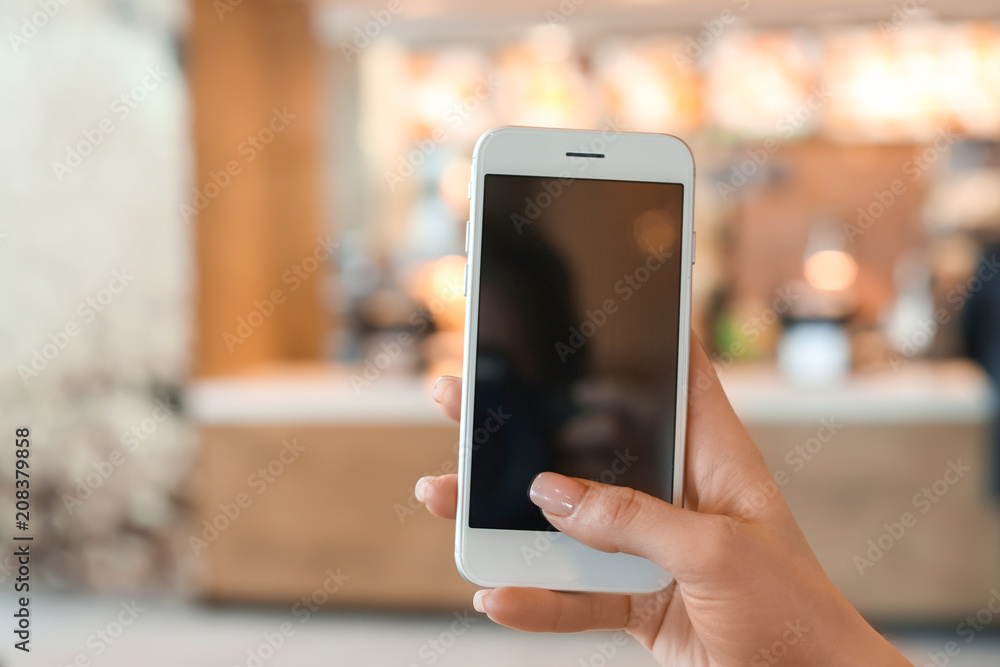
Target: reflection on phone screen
point(576, 350)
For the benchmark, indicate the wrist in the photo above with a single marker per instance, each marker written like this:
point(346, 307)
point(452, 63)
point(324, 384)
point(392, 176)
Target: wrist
point(857, 643)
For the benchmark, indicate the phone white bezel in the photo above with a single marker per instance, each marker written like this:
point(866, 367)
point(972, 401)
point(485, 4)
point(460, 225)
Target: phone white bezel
point(493, 558)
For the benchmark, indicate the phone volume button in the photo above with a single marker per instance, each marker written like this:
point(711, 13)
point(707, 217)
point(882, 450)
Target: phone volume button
point(465, 281)
point(468, 224)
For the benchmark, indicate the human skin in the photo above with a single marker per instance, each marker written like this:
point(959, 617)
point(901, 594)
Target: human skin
point(747, 588)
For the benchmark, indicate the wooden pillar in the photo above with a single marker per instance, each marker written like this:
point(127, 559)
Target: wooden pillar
point(254, 72)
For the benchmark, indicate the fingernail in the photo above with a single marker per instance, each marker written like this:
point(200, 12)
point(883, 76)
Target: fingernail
point(479, 601)
point(421, 488)
point(555, 493)
point(440, 385)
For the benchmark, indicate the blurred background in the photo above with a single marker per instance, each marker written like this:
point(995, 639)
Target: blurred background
point(232, 243)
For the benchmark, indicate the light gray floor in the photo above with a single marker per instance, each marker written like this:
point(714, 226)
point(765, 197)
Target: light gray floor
point(189, 635)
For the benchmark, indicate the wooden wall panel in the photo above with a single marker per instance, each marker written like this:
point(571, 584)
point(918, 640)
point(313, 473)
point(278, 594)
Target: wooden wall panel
point(253, 70)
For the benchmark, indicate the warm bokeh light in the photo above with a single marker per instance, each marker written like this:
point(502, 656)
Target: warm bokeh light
point(454, 184)
point(543, 86)
point(831, 270)
point(912, 83)
point(438, 286)
point(654, 230)
point(764, 84)
point(648, 87)
point(449, 92)
point(974, 70)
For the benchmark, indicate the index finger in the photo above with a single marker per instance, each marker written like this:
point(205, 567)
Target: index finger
point(448, 392)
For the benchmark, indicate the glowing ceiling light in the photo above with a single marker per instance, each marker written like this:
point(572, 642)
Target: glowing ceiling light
point(831, 270)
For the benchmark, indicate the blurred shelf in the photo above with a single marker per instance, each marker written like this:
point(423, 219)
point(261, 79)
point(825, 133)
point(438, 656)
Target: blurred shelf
point(919, 391)
point(312, 395)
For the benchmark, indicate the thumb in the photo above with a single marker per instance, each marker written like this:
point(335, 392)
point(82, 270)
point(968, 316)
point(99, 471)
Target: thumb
point(619, 519)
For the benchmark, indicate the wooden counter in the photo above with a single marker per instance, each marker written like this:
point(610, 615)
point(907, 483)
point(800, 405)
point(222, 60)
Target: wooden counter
point(346, 501)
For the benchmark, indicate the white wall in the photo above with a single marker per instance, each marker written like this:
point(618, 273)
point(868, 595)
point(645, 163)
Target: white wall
point(105, 228)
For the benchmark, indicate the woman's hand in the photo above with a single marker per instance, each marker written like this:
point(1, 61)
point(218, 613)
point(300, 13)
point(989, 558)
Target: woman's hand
point(748, 589)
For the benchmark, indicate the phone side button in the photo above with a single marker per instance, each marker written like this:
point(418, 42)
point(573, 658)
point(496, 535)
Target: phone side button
point(465, 281)
point(694, 245)
point(468, 223)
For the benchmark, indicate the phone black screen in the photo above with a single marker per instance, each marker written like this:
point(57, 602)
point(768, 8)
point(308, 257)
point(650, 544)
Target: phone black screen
point(576, 359)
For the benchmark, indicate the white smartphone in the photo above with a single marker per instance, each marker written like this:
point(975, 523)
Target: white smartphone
point(580, 246)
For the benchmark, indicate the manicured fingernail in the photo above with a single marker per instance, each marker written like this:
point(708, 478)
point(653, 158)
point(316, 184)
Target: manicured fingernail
point(420, 490)
point(479, 601)
point(438, 391)
point(555, 493)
